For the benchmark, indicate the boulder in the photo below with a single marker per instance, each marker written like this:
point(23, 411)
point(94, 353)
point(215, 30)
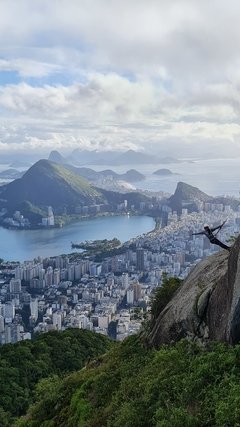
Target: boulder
point(207, 306)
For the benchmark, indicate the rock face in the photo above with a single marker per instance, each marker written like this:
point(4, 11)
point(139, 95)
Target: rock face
point(207, 306)
point(56, 157)
point(187, 196)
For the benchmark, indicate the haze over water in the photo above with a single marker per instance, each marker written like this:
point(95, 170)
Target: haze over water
point(215, 176)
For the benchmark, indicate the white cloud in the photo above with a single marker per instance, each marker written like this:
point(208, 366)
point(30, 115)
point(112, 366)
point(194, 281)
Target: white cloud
point(28, 68)
point(104, 98)
point(142, 36)
point(138, 72)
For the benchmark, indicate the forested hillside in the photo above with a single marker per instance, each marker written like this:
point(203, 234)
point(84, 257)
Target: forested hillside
point(23, 364)
point(80, 379)
point(133, 386)
point(193, 383)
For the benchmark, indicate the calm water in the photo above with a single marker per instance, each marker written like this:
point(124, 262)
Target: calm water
point(215, 177)
point(20, 245)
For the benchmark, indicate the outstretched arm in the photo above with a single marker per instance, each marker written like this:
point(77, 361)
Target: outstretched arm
point(216, 228)
point(197, 234)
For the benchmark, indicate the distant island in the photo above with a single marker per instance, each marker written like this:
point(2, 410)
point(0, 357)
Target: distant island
point(11, 174)
point(20, 164)
point(164, 172)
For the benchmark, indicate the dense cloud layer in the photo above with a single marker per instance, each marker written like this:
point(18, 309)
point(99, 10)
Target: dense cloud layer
point(107, 74)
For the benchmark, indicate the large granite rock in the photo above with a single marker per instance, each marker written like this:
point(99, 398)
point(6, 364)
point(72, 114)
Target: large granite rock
point(207, 306)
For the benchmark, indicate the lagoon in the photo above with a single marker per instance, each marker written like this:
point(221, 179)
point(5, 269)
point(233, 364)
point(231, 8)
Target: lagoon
point(22, 245)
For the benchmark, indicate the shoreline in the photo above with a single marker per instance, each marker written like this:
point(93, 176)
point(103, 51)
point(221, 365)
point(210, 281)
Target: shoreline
point(75, 218)
point(24, 246)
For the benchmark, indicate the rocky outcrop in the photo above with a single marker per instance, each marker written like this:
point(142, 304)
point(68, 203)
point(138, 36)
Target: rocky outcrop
point(187, 196)
point(207, 306)
point(56, 157)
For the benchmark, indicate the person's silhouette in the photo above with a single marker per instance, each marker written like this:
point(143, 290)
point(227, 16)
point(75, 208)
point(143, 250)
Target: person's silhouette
point(208, 232)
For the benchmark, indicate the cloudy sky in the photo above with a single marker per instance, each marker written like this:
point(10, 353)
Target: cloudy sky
point(154, 75)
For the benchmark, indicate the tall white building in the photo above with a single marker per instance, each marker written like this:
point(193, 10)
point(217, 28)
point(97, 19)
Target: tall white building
point(49, 276)
point(18, 272)
point(78, 271)
point(57, 320)
point(130, 296)
point(83, 321)
point(51, 221)
point(1, 324)
point(9, 311)
point(56, 276)
point(71, 272)
point(15, 286)
point(125, 280)
point(8, 334)
point(34, 308)
point(103, 321)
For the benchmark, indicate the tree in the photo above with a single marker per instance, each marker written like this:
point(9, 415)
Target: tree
point(163, 295)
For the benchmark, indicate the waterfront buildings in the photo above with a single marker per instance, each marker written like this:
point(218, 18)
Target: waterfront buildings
point(111, 296)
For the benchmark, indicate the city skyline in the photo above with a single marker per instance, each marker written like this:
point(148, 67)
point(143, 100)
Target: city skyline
point(153, 76)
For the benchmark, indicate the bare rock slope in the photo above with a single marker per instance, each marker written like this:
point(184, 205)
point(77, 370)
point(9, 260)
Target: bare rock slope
point(207, 306)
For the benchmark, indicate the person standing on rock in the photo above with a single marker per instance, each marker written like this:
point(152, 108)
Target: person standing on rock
point(208, 232)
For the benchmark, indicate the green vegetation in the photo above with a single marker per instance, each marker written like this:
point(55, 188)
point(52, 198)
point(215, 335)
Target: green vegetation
point(161, 298)
point(30, 211)
point(133, 198)
point(50, 184)
point(54, 354)
point(47, 183)
point(133, 386)
point(100, 249)
point(97, 246)
point(76, 182)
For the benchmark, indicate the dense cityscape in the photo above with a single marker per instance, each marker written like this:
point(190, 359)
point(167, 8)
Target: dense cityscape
point(110, 296)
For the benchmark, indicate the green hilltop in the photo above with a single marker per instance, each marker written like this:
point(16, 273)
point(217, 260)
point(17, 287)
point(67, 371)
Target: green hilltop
point(48, 183)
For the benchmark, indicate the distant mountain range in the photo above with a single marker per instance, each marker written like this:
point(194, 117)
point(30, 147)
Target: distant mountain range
point(48, 183)
point(113, 158)
point(130, 176)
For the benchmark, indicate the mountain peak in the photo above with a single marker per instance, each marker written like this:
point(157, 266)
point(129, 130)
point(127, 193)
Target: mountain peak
point(55, 156)
point(187, 196)
point(189, 190)
point(48, 183)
